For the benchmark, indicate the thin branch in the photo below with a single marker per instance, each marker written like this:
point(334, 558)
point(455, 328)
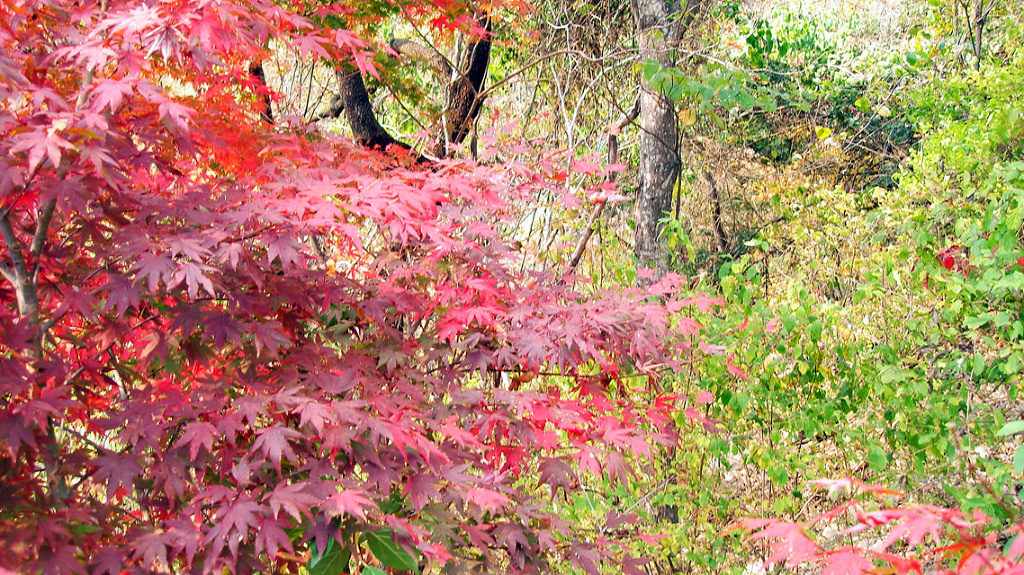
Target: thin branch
point(437, 62)
point(74, 375)
point(716, 212)
point(13, 248)
point(540, 60)
point(613, 158)
point(45, 217)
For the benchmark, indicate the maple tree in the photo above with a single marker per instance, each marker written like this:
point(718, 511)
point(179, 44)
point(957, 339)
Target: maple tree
point(232, 344)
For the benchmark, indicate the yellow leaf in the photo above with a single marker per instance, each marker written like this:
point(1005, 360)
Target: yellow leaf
point(822, 132)
point(688, 117)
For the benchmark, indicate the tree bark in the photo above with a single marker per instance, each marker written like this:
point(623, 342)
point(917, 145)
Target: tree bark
point(463, 100)
point(438, 63)
point(660, 26)
point(266, 110)
point(359, 113)
point(463, 87)
point(716, 212)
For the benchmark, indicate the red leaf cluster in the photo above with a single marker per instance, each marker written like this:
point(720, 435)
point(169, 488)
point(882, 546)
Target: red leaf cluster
point(911, 539)
point(186, 385)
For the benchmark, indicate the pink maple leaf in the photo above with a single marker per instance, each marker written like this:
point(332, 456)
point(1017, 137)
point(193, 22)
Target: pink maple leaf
point(198, 434)
point(110, 94)
point(292, 498)
point(42, 144)
point(792, 544)
point(846, 561)
point(734, 370)
point(704, 397)
point(271, 537)
point(176, 116)
point(349, 502)
point(487, 499)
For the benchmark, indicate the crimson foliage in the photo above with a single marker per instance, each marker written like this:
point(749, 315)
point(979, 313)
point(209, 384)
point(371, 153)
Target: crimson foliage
point(187, 386)
point(895, 540)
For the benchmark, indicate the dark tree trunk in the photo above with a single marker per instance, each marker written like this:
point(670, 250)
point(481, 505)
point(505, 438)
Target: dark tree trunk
point(355, 103)
point(463, 94)
point(266, 111)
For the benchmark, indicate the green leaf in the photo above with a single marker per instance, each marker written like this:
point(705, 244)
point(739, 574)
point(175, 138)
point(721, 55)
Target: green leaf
point(1018, 459)
point(334, 561)
point(727, 97)
point(814, 330)
point(85, 529)
point(976, 322)
point(743, 98)
point(370, 570)
point(1011, 428)
point(717, 120)
point(388, 552)
point(651, 68)
point(892, 375)
point(673, 91)
point(877, 459)
point(1008, 545)
point(778, 474)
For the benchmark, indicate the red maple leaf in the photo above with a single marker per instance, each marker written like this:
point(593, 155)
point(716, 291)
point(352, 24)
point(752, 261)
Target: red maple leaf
point(273, 443)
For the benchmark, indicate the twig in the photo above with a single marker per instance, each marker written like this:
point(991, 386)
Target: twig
point(613, 158)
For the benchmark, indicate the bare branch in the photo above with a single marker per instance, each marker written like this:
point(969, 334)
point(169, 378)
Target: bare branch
point(334, 109)
point(13, 247)
point(613, 158)
point(24, 288)
point(45, 216)
point(435, 59)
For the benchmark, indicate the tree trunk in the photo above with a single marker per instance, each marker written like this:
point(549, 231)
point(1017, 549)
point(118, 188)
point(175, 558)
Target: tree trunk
point(359, 113)
point(462, 100)
point(266, 109)
point(660, 25)
point(659, 137)
point(463, 87)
